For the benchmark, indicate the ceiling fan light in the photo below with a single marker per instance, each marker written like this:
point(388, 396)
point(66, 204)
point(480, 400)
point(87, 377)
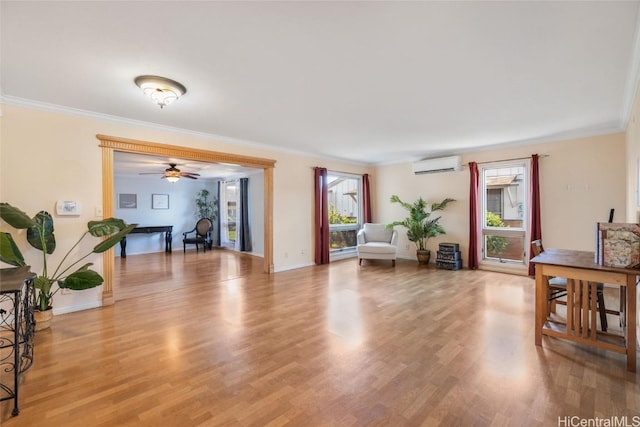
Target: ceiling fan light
point(173, 179)
point(161, 90)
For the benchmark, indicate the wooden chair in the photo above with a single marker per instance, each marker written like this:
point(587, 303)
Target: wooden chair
point(202, 235)
point(558, 288)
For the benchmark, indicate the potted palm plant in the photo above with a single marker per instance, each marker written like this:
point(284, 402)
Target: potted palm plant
point(420, 225)
point(206, 208)
point(66, 275)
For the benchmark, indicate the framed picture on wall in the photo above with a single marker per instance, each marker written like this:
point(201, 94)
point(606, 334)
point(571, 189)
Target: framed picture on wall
point(127, 201)
point(159, 201)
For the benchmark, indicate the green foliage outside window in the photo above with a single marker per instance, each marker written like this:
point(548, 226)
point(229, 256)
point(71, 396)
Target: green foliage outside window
point(336, 218)
point(341, 238)
point(495, 244)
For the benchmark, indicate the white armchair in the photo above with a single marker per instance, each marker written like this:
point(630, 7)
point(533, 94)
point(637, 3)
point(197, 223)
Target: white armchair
point(376, 241)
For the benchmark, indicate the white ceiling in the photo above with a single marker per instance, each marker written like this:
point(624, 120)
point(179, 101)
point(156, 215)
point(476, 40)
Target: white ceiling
point(366, 82)
point(133, 165)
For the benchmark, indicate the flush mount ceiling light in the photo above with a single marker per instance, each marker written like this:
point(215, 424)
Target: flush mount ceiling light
point(162, 90)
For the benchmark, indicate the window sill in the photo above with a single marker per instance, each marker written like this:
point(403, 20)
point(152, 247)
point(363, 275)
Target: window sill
point(343, 254)
point(499, 267)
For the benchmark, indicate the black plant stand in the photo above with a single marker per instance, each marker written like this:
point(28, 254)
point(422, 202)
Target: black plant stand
point(16, 328)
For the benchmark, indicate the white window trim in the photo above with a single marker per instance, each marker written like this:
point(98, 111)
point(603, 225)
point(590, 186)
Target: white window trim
point(350, 252)
point(512, 267)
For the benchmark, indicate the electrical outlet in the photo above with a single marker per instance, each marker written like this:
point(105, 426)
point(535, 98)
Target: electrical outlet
point(65, 291)
point(98, 211)
point(406, 246)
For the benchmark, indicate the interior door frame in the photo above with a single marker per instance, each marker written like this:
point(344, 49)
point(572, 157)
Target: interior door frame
point(110, 144)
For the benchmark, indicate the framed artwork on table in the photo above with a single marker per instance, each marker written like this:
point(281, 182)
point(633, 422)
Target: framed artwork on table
point(127, 201)
point(159, 201)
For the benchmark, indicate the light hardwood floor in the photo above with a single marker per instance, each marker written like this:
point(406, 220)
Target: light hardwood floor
point(207, 340)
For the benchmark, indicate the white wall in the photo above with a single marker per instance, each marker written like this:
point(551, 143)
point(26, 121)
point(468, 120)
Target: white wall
point(400, 180)
point(51, 155)
point(580, 180)
point(47, 156)
point(181, 213)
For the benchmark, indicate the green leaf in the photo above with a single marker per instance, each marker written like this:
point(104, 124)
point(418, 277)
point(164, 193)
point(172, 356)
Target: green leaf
point(42, 233)
point(111, 241)
point(9, 251)
point(81, 279)
point(43, 286)
point(396, 199)
point(420, 227)
point(86, 266)
point(443, 204)
point(105, 227)
point(15, 217)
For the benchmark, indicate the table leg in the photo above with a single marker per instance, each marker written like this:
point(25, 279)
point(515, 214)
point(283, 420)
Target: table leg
point(571, 309)
point(16, 352)
point(593, 309)
point(631, 323)
point(168, 237)
point(541, 303)
point(123, 247)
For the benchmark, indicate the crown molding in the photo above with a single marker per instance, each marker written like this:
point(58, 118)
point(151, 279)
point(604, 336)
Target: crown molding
point(54, 108)
point(607, 129)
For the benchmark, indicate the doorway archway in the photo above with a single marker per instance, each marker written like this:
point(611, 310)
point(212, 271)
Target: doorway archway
point(110, 144)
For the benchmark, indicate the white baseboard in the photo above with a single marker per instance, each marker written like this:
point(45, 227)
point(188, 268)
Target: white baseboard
point(292, 267)
point(79, 307)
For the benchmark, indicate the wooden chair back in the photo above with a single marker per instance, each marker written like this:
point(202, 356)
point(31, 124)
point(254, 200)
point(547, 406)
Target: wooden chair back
point(536, 247)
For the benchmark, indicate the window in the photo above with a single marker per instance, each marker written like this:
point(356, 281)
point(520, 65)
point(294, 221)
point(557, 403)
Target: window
point(228, 204)
point(504, 218)
point(345, 210)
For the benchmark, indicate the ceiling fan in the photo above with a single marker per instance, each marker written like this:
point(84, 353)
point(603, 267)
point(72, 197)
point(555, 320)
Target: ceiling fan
point(173, 174)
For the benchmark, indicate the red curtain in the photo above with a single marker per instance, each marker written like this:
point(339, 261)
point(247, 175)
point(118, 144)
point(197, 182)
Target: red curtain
point(322, 216)
point(535, 227)
point(474, 262)
point(366, 198)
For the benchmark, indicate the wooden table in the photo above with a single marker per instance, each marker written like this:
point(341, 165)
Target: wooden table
point(166, 229)
point(583, 274)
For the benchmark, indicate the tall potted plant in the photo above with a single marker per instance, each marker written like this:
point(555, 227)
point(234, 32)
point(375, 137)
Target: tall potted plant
point(66, 275)
point(206, 208)
point(420, 225)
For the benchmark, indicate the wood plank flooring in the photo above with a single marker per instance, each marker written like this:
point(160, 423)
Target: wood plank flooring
point(209, 340)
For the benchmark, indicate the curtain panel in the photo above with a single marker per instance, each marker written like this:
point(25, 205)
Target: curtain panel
point(474, 261)
point(536, 225)
point(216, 237)
point(243, 231)
point(366, 199)
point(321, 216)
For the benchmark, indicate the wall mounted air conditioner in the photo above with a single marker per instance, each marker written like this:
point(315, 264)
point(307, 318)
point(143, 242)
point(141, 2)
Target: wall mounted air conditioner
point(441, 164)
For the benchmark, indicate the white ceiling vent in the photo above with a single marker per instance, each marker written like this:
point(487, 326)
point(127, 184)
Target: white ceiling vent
point(441, 164)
